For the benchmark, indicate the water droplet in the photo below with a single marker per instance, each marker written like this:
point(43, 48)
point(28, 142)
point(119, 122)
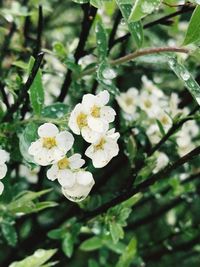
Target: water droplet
point(147, 7)
point(172, 62)
point(108, 73)
point(123, 22)
point(185, 75)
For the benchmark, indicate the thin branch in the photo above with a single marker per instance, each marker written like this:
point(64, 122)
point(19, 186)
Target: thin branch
point(139, 53)
point(163, 20)
point(24, 91)
point(89, 16)
point(143, 186)
point(39, 32)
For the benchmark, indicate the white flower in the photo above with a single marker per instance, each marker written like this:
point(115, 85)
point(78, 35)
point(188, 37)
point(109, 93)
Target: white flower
point(64, 168)
point(165, 120)
point(92, 116)
point(154, 133)
point(31, 175)
point(51, 146)
point(104, 149)
point(150, 104)
point(80, 188)
point(4, 156)
point(128, 101)
point(151, 88)
point(162, 161)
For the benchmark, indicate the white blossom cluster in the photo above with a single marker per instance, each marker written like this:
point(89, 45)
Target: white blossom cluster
point(4, 157)
point(157, 106)
point(91, 119)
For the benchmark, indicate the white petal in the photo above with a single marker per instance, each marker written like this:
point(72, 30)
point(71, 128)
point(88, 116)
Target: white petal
point(84, 178)
point(4, 156)
point(52, 173)
point(35, 147)
point(108, 113)
point(64, 141)
point(73, 118)
point(99, 158)
point(97, 124)
point(103, 98)
point(89, 135)
point(66, 178)
point(3, 170)
point(48, 130)
point(76, 161)
point(42, 157)
point(1, 188)
point(88, 101)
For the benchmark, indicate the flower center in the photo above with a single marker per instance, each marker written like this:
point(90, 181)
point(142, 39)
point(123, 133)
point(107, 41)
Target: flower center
point(49, 142)
point(95, 112)
point(63, 163)
point(82, 120)
point(164, 120)
point(129, 101)
point(147, 103)
point(100, 145)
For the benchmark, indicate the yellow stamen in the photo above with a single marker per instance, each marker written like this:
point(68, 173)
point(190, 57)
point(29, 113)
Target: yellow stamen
point(129, 101)
point(49, 142)
point(147, 103)
point(82, 120)
point(63, 163)
point(95, 112)
point(100, 145)
point(164, 120)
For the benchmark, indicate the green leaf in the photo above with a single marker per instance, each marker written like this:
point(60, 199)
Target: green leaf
point(56, 233)
point(56, 110)
point(81, 1)
point(36, 91)
point(68, 245)
point(9, 232)
point(91, 244)
point(135, 28)
point(193, 33)
point(102, 41)
point(96, 3)
point(142, 8)
point(186, 77)
point(129, 254)
point(116, 231)
point(132, 201)
point(36, 260)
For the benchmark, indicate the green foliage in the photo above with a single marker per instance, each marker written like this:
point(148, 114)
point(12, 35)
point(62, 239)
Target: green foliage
point(128, 256)
point(193, 34)
point(39, 257)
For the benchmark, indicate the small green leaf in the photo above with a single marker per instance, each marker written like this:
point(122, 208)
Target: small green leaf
point(135, 28)
point(9, 232)
point(91, 244)
point(56, 110)
point(68, 245)
point(81, 1)
point(193, 33)
point(40, 257)
point(186, 77)
point(116, 231)
point(142, 8)
point(129, 254)
point(56, 233)
point(102, 41)
point(36, 91)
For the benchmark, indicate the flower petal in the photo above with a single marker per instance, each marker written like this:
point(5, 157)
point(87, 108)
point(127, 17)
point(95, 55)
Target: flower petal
point(35, 147)
point(97, 124)
point(4, 156)
point(64, 141)
point(48, 130)
point(103, 98)
point(1, 188)
point(108, 113)
point(88, 101)
point(89, 135)
point(3, 170)
point(84, 178)
point(73, 118)
point(76, 161)
point(66, 178)
point(52, 173)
